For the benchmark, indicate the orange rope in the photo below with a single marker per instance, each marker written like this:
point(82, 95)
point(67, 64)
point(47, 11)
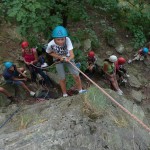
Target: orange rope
point(112, 99)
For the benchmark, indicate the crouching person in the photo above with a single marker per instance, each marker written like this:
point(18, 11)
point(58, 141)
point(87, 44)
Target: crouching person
point(11, 75)
point(110, 72)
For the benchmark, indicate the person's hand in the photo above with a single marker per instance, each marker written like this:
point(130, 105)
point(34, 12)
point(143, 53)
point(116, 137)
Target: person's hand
point(31, 63)
point(27, 63)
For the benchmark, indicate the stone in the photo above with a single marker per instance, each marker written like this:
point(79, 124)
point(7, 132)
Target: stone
point(87, 45)
point(137, 96)
point(134, 82)
point(120, 48)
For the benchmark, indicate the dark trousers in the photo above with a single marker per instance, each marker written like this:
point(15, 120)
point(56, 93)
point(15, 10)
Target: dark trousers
point(121, 72)
point(34, 71)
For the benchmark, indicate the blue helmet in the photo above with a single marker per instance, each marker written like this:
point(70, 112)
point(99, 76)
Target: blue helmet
point(145, 50)
point(59, 32)
point(8, 64)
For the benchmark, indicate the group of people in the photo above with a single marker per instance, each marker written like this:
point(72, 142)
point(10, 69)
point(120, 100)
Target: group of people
point(113, 66)
point(61, 49)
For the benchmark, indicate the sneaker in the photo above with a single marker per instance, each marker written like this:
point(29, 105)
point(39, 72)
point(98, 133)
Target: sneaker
point(119, 92)
point(124, 80)
point(32, 93)
point(127, 75)
point(82, 91)
point(65, 95)
point(129, 61)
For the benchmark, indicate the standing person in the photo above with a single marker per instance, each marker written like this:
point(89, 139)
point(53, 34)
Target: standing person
point(110, 72)
point(120, 69)
point(30, 58)
point(11, 75)
point(5, 92)
point(61, 47)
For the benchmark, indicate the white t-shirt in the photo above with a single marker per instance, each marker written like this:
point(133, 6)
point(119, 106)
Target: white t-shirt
point(60, 50)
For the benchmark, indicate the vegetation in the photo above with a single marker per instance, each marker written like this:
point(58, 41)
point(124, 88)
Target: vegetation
point(36, 18)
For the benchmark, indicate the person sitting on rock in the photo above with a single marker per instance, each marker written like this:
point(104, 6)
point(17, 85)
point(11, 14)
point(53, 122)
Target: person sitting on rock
point(9, 96)
point(120, 69)
point(142, 54)
point(30, 58)
point(11, 75)
point(110, 72)
point(91, 60)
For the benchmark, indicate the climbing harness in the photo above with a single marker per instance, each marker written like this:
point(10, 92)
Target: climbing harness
point(112, 99)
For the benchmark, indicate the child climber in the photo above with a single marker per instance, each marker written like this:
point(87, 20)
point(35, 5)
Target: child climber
point(11, 75)
point(30, 58)
point(110, 72)
point(91, 59)
point(142, 53)
point(61, 48)
point(120, 70)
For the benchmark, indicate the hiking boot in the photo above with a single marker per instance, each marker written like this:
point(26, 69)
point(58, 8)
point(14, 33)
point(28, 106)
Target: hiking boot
point(32, 93)
point(82, 91)
point(127, 75)
point(65, 95)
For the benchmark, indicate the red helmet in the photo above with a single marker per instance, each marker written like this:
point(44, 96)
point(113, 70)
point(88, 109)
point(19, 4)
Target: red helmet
point(121, 60)
point(24, 44)
point(91, 54)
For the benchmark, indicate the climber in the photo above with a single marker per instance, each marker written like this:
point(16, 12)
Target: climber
point(142, 54)
point(31, 60)
point(120, 70)
point(11, 75)
point(91, 60)
point(61, 49)
point(110, 72)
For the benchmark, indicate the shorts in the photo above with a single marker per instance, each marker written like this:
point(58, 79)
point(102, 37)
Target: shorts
point(61, 71)
point(13, 82)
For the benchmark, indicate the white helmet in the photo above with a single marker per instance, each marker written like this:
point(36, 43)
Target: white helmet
point(112, 58)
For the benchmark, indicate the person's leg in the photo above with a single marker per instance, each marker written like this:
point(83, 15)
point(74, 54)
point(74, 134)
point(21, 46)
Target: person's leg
point(2, 90)
point(62, 81)
point(76, 76)
point(24, 86)
point(45, 77)
point(32, 73)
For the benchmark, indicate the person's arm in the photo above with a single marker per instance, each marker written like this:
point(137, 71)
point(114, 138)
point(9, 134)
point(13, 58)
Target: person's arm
point(56, 56)
point(71, 56)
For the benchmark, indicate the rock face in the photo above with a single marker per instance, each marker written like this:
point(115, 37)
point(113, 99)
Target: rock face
point(134, 82)
point(83, 122)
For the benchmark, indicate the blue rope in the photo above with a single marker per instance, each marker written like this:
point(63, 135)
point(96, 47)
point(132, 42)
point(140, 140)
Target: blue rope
point(10, 117)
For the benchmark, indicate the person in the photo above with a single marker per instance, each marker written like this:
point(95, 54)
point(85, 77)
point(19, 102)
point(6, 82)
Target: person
point(11, 75)
point(110, 72)
point(31, 59)
point(91, 60)
point(120, 69)
point(61, 49)
point(9, 96)
point(142, 53)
